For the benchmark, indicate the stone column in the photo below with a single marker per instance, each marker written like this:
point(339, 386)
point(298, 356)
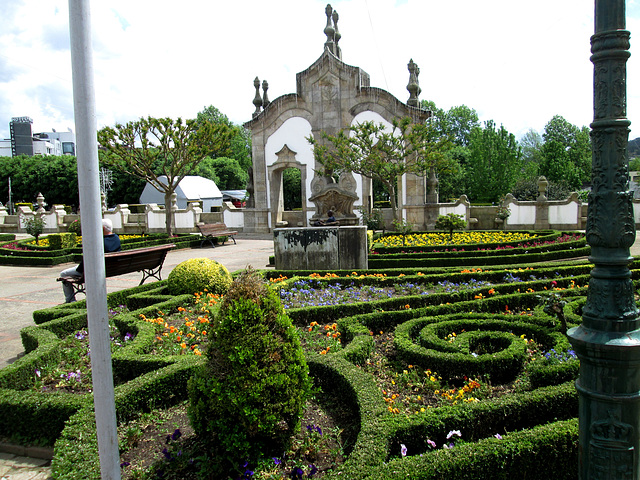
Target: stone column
point(542, 205)
point(608, 340)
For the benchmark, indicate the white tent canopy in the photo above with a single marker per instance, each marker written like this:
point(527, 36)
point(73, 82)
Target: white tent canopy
point(190, 189)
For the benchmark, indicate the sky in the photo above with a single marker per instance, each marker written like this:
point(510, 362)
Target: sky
point(515, 62)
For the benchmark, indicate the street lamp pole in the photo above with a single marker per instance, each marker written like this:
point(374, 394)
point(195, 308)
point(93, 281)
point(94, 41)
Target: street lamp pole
point(608, 340)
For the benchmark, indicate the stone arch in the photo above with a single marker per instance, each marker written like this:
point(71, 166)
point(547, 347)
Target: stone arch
point(286, 158)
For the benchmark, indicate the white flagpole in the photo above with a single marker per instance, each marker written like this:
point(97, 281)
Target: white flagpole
point(92, 243)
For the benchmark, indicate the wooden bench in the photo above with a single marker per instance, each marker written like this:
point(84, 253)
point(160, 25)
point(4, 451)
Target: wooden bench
point(209, 231)
point(147, 260)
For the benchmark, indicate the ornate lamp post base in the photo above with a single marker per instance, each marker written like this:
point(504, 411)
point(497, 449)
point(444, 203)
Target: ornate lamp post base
point(608, 341)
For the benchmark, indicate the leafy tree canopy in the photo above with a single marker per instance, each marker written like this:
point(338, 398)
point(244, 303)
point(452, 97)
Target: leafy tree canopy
point(55, 177)
point(151, 147)
point(495, 163)
point(225, 172)
point(383, 154)
point(239, 147)
point(456, 123)
point(566, 153)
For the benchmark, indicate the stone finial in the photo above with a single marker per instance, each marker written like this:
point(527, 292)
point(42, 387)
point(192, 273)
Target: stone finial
point(257, 100)
point(40, 202)
point(542, 189)
point(413, 86)
point(265, 99)
point(329, 30)
point(336, 36)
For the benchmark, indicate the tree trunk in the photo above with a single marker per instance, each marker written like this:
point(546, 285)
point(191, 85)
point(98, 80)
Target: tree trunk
point(168, 212)
point(394, 204)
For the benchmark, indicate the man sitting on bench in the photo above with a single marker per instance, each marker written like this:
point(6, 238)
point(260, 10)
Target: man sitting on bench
point(111, 244)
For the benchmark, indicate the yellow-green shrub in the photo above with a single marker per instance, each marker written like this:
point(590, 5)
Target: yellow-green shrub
point(196, 275)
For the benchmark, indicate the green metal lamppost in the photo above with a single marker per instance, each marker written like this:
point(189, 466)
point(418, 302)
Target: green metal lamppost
point(608, 341)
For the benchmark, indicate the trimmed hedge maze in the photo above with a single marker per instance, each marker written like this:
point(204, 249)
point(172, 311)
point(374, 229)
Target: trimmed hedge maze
point(466, 324)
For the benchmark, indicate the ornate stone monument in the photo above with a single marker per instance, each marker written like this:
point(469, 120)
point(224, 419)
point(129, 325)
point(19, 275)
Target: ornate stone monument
point(330, 96)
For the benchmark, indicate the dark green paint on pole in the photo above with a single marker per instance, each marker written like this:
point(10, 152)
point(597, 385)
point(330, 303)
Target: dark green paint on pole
point(608, 341)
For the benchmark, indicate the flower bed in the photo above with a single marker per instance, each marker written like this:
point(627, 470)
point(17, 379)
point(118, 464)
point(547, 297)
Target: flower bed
point(545, 247)
point(412, 368)
point(22, 252)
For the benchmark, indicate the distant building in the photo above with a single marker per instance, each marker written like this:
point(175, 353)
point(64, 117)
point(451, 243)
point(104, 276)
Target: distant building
point(24, 142)
point(192, 188)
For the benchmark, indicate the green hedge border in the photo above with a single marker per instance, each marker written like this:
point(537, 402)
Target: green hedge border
point(374, 448)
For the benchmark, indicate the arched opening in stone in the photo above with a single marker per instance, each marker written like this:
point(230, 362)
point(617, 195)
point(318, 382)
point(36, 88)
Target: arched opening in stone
point(292, 189)
point(286, 210)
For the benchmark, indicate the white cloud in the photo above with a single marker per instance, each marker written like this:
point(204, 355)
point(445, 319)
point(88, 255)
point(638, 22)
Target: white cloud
point(517, 63)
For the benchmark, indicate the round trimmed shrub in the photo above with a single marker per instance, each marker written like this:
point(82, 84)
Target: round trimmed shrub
point(196, 275)
point(247, 401)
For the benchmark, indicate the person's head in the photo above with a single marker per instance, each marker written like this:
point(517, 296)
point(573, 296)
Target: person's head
point(107, 226)
point(330, 213)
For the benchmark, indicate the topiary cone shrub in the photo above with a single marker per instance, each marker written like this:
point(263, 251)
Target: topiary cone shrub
point(247, 401)
point(197, 274)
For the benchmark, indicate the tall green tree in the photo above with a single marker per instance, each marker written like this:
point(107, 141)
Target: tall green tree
point(151, 147)
point(495, 163)
point(225, 172)
point(376, 152)
point(566, 153)
point(531, 145)
point(457, 122)
point(239, 146)
point(451, 178)
point(461, 120)
point(56, 177)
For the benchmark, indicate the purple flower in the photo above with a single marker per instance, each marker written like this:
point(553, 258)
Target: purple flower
point(176, 434)
point(313, 470)
point(319, 430)
point(498, 436)
point(124, 464)
point(276, 460)
point(403, 450)
point(431, 443)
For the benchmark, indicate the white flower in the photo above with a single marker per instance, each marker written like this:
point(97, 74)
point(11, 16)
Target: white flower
point(452, 433)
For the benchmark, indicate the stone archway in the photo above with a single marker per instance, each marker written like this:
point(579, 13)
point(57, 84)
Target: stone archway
point(286, 159)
